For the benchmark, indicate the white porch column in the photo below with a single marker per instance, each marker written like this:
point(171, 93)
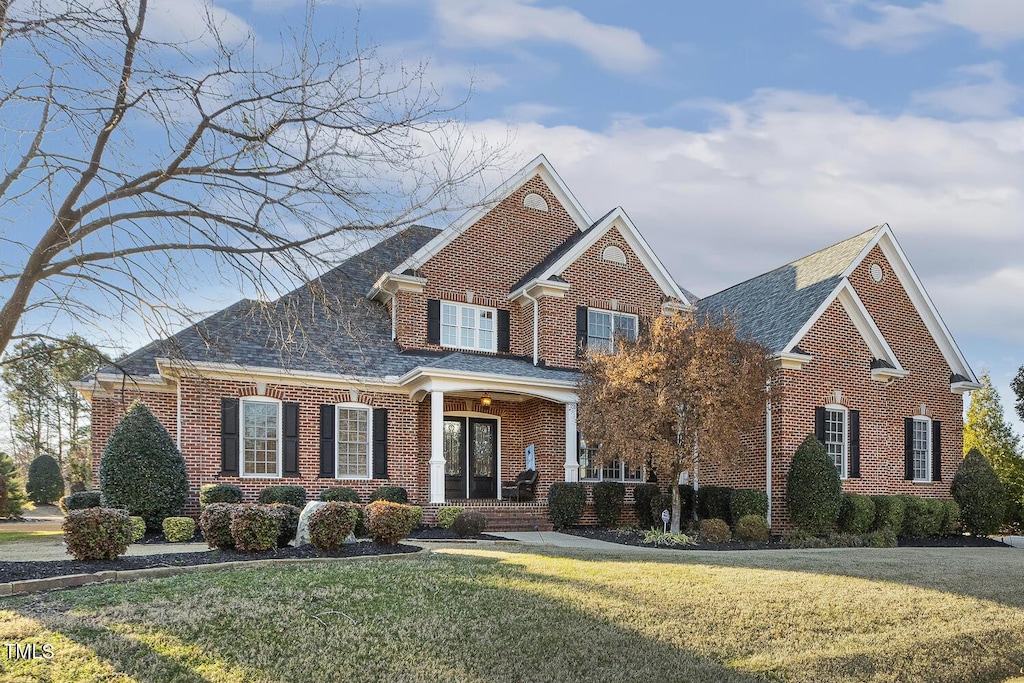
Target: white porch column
point(436, 446)
point(572, 463)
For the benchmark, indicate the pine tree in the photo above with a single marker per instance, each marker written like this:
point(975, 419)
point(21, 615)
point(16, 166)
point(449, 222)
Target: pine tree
point(45, 484)
point(987, 431)
point(15, 501)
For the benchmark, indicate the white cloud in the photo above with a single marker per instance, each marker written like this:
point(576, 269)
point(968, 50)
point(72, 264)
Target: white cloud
point(490, 23)
point(978, 91)
point(530, 111)
point(898, 27)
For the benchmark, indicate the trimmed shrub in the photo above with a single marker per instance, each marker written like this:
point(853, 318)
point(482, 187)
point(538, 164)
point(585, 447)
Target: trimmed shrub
point(715, 530)
point(980, 495)
point(12, 496)
point(330, 525)
point(81, 500)
point(179, 529)
point(883, 538)
point(660, 503)
point(752, 528)
point(142, 470)
point(922, 517)
point(565, 503)
point(417, 516)
point(856, 513)
point(950, 517)
point(643, 495)
point(713, 502)
point(215, 523)
point(287, 518)
point(288, 494)
point(339, 494)
point(138, 528)
point(97, 533)
point(804, 539)
point(253, 528)
point(812, 488)
point(889, 513)
point(608, 499)
point(389, 522)
point(745, 502)
point(469, 523)
point(45, 484)
point(219, 493)
point(447, 514)
point(394, 494)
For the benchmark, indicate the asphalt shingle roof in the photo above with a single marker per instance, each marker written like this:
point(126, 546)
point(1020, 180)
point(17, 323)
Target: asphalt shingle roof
point(771, 308)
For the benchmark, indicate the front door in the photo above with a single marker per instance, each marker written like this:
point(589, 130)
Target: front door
point(471, 457)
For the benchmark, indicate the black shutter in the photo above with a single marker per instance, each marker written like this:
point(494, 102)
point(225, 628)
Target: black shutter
point(290, 445)
point(229, 437)
point(855, 443)
point(581, 331)
point(936, 450)
point(380, 443)
point(327, 427)
point(433, 321)
point(819, 424)
point(504, 332)
point(908, 448)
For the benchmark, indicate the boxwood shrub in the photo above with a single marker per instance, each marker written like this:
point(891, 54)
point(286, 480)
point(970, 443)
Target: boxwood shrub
point(608, 499)
point(290, 494)
point(394, 494)
point(97, 533)
point(746, 502)
point(219, 493)
point(856, 513)
point(446, 515)
point(339, 494)
point(715, 530)
point(980, 495)
point(643, 494)
point(215, 524)
point(253, 528)
point(752, 528)
point(566, 501)
point(812, 488)
point(287, 518)
point(469, 523)
point(179, 529)
point(922, 517)
point(889, 512)
point(713, 502)
point(138, 526)
point(80, 501)
point(389, 522)
point(950, 517)
point(331, 524)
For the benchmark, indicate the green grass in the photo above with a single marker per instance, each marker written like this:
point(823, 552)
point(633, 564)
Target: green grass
point(479, 616)
point(42, 535)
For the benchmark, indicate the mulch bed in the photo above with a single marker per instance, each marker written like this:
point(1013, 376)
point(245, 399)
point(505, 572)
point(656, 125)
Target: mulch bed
point(635, 538)
point(439, 534)
point(20, 571)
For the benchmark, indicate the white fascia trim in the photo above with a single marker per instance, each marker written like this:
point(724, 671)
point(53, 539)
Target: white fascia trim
point(248, 373)
point(963, 387)
point(390, 283)
point(108, 384)
point(619, 218)
point(537, 288)
point(670, 307)
point(792, 361)
point(424, 380)
point(539, 166)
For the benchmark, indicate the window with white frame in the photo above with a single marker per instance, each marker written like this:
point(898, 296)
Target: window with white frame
point(835, 438)
point(616, 470)
point(922, 448)
point(468, 327)
point(604, 327)
point(261, 437)
point(353, 442)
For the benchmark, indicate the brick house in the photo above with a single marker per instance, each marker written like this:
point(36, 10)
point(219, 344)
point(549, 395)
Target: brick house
point(445, 362)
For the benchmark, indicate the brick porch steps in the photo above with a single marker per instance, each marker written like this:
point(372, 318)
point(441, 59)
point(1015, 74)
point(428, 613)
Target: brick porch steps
point(501, 515)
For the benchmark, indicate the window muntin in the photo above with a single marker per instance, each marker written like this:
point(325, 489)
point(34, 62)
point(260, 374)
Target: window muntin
point(353, 442)
point(922, 449)
point(261, 438)
point(616, 470)
point(835, 438)
point(603, 327)
point(468, 327)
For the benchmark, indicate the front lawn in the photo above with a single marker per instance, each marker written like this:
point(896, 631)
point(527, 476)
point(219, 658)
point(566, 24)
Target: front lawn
point(40, 535)
point(481, 616)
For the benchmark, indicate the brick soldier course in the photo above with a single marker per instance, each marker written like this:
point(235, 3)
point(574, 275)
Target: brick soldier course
point(362, 371)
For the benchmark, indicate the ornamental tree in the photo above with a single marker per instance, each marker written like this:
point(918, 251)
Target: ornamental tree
point(685, 389)
point(978, 491)
point(142, 470)
point(45, 484)
point(813, 491)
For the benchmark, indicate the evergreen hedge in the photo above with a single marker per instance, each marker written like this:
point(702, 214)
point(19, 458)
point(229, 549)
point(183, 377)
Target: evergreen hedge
point(744, 502)
point(643, 495)
point(889, 513)
point(856, 514)
point(980, 495)
point(812, 488)
point(566, 501)
point(393, 494)
point(290, 494)
point(608, 499)
point(219, 493)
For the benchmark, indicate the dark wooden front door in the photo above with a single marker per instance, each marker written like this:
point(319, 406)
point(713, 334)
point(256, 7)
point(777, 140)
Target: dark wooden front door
point(471, 457)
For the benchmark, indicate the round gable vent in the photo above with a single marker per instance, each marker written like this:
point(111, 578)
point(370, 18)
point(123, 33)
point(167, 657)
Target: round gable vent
point(613, 254)
point(535, 201)
point(877, 274)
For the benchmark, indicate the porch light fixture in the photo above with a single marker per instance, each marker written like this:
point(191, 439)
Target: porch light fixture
point(485, 401)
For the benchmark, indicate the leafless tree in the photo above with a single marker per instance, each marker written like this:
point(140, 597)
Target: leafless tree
point(135, 165)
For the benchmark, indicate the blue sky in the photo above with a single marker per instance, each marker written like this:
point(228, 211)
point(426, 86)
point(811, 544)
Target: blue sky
point(741, 135)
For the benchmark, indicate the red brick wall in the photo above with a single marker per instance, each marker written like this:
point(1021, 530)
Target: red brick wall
point(107, 412)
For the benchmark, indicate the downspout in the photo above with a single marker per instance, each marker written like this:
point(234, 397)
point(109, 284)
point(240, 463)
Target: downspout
point(768, 458)
point(179, 414)
point(536, 325)
point(394, 316)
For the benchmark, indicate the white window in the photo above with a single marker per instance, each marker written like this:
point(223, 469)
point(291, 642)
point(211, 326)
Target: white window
point(261, 437)
point(604, 327)
point(353, 442)
point(616, 470)
point(835, 438)
point(468, 327)
point(922, 448)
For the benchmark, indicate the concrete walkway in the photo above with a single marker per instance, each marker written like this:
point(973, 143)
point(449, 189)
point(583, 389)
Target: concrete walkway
point(50, 550)
point(553, 538)
point(1015, 541)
